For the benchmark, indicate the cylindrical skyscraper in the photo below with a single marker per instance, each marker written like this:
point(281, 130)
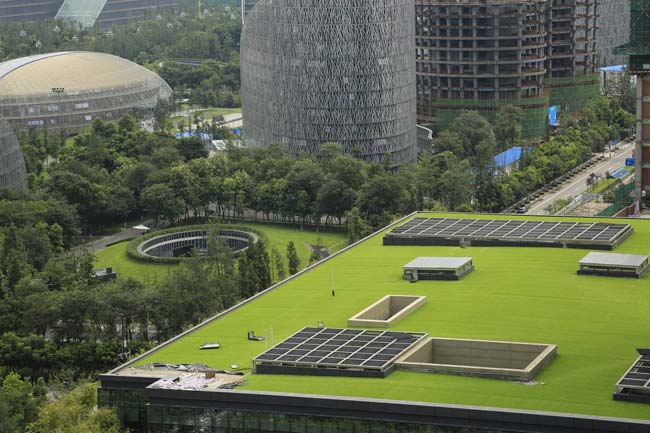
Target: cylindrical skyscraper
point(12, 162)
point(330, 70)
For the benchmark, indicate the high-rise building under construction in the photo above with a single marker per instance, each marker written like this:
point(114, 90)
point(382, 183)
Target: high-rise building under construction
point(484, 54)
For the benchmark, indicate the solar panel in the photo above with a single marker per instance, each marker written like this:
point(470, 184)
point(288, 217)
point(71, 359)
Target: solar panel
point(336, 351)
point(635, 383)
point(485, 232)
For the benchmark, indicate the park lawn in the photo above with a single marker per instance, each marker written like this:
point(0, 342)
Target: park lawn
point(278, 236)
point(515, 294)
point(210, 112)
point(207, 113)
point(115, 256)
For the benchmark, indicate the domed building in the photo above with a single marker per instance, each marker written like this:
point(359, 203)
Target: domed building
point(69, 90)
point(12, 163)
point(331, 70)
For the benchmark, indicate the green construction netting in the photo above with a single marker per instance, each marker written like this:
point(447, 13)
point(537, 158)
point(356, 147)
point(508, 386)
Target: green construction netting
point(571, 94)
point(639, 29)
point(533, 125)
point(622, 199)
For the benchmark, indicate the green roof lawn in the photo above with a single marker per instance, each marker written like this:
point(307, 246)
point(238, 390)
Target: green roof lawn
point(278, 236)
point(515, 293)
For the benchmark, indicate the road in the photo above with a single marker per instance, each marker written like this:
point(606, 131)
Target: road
point(578, 184)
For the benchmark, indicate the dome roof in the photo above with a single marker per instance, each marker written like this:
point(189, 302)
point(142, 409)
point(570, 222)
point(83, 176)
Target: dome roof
point(73, 71)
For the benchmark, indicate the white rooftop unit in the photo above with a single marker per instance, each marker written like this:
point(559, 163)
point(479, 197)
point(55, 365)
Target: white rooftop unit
point(614, 265)
point(437, 268)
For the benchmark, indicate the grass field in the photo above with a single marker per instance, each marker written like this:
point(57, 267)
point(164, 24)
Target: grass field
point(515, 293)
point(278, 236)
point(208, 113)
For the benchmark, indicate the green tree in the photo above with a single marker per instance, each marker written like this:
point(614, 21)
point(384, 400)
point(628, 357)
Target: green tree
point(247, 280)
point(507, 128)
point(160, 200)
point(278, 263)
point(19, 402)
point(260, 264)
point(76, 412)
point(292, 257)
point(357, 226)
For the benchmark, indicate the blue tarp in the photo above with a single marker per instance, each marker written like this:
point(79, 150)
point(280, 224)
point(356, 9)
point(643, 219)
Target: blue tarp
point(202, 136)
point(617, 68)
point(507, 157)
point(552, 116)
point(620, 173)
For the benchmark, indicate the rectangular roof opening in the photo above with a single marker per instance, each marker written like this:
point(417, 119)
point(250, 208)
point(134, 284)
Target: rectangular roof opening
point(387, 311)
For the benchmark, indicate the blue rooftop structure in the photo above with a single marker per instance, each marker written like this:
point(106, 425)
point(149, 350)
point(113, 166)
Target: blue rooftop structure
point(508, 157)
point(619, 173)
point(616, 68)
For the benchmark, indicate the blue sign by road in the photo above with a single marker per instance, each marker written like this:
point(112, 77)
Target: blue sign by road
point(629, 162)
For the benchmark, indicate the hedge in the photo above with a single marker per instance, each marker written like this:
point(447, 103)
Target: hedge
point(132, 247)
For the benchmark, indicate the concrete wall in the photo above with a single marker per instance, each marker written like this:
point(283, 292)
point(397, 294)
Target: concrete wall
point(387, 311)
point(498, 359)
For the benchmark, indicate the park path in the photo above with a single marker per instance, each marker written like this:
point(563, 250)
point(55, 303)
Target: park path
point(103, 242)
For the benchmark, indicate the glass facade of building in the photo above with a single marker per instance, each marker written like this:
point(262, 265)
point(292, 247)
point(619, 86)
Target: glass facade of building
point(139, 416)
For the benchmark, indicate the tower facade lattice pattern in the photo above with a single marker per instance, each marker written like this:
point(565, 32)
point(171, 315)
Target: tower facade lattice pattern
point(12, 162)
point(613, 30)
point(330, 70)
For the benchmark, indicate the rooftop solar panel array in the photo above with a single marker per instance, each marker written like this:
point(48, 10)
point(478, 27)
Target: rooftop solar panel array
point(454, 231)
point(635, 384)
point(336, 351)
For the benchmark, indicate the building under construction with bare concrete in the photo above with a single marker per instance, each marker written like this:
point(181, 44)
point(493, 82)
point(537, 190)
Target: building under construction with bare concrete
point(573, 78)
point(484, 54)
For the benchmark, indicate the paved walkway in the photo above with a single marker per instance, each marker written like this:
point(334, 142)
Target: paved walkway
point(102, 243)
point(578, 183)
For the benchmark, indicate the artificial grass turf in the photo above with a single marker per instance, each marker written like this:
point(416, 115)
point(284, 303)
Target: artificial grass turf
point(515, 293)
point(278, 235)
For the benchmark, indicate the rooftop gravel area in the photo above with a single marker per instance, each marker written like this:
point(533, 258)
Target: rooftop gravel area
point(523, 294)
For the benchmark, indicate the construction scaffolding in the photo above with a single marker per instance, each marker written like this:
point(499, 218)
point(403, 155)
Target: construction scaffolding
point(482, 55)
point(571, 94)
point(475, 55)
point(535, 111)
point(639, 64)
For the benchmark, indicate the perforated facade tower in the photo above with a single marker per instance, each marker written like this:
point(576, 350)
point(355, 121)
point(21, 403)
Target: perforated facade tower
point(330, 70)
point(613, 30)
point(572, 79)
point(478, 55)
point(12, 163)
